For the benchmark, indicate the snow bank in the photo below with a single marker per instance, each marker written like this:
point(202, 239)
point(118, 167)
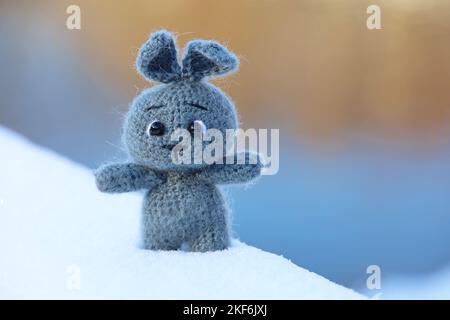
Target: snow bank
point(61, 238)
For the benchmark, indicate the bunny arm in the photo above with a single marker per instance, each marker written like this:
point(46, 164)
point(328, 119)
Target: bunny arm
point(232, 173)
point(126, 177)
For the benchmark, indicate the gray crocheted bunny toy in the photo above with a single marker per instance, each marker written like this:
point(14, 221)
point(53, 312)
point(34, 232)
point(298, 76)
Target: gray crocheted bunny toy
point(183, 205)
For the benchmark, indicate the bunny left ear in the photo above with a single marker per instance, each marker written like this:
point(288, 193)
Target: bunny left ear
point(204, 58)
point(157, 59)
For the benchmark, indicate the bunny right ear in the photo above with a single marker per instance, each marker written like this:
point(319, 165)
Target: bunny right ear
point(203, 58)
point(157, 59)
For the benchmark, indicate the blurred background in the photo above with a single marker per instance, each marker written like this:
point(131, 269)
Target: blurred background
point(364, 115)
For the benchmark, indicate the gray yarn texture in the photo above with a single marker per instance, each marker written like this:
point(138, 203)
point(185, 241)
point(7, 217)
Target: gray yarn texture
point(183, 206)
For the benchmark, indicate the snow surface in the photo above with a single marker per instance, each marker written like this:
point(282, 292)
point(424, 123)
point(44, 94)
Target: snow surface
point(61, 238)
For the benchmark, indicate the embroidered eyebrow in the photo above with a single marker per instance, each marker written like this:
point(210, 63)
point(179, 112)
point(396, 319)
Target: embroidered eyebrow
point(196, 105)
point(154, 106)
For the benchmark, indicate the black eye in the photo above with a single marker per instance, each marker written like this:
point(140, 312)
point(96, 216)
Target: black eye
point(197, 125)
point(156, 128)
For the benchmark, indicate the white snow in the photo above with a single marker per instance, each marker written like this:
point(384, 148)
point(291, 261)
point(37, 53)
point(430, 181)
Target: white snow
point(61, 238)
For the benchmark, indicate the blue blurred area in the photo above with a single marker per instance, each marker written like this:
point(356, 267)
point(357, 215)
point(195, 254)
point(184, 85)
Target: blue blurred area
point(338, 213)
point(49, 92)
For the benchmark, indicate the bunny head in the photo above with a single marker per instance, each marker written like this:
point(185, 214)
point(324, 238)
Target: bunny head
point(182, 99)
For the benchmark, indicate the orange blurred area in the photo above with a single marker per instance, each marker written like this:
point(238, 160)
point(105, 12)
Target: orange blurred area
point(310, 67)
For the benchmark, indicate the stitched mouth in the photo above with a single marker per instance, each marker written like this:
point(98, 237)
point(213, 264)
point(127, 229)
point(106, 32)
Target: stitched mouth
point(169, 146)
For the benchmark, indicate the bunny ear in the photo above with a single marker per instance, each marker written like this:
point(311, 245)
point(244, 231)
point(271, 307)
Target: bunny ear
point(204, 58)
point(157, 59)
